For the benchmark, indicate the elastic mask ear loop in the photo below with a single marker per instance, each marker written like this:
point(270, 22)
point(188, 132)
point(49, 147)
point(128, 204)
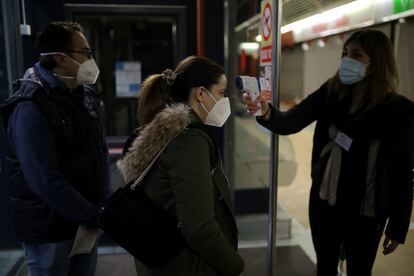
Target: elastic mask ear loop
point(59, 53)
point(203, 106)
point(64, 77)
point(211, 96)
point(205, 109)
point(63, 54)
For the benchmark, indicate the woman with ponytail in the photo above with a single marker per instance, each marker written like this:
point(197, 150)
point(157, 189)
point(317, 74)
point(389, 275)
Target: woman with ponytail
point(187, 179)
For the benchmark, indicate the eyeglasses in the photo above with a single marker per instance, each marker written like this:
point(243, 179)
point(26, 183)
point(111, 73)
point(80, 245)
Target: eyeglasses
point(87, 53)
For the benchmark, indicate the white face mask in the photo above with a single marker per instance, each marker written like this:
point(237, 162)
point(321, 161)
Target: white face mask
point(220, 112)
point(351, 71)
point(87, 73)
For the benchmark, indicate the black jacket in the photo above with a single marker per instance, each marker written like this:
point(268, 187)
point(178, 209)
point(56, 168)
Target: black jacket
point(391, 122)
point(58, 157)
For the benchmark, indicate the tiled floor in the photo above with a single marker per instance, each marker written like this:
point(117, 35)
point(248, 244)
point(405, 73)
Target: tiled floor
point(294, 251)
point(400, 263)
point(110, 264)
point(300, 265)
point(293, 248)
point(9, 260)
point(290, 261)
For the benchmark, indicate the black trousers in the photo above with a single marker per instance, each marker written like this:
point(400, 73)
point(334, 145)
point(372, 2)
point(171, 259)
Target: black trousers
point(332, 229)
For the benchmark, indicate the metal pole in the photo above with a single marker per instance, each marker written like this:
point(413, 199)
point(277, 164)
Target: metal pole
point(200, 27)
point(24, 12)
point(229, 64)
point(272, 220)
point(395, 36)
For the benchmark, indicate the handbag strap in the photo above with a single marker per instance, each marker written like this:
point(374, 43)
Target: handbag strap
point(144, 173)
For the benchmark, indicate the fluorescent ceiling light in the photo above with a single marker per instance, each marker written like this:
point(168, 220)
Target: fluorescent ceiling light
point(250, 46)
point(327, 16)
point(321, 43)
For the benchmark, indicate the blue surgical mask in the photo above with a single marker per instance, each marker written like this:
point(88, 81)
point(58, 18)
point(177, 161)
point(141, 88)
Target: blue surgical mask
point(351, 71)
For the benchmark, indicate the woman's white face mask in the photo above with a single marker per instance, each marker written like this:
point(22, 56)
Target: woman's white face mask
point(220, 112)
point(87, 73)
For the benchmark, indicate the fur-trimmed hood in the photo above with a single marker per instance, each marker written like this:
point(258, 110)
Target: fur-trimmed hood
point(153, 137)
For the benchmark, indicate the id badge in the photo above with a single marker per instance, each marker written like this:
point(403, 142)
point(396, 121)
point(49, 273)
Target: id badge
point(343, 141)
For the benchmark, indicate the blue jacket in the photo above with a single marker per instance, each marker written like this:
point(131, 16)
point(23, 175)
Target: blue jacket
point(58, 154)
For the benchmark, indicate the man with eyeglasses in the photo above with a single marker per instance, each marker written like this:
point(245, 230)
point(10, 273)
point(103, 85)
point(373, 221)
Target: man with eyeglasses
point(58, 153)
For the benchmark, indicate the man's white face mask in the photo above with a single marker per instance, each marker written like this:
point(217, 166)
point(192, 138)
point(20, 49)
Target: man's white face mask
point(220, 112)
point(87, 73)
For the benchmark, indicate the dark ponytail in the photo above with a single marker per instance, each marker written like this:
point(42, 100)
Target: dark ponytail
point(175, 86)
point(154, 95)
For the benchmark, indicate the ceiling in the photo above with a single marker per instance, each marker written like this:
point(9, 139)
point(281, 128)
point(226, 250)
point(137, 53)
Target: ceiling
point(294, 10)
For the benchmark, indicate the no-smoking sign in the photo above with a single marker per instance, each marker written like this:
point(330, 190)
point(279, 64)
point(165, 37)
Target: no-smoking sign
point(266, 30)
point(267, 21)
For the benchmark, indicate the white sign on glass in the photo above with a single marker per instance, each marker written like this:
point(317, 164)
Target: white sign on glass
point(128, 77)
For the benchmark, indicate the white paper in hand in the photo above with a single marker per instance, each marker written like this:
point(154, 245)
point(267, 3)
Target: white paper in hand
point(84, 241)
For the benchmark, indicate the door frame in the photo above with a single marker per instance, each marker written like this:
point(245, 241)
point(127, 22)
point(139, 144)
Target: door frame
point(179, 27)
point(14, 69)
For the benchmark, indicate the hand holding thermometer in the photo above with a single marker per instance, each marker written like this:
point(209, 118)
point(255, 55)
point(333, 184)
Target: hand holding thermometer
point(250, 85)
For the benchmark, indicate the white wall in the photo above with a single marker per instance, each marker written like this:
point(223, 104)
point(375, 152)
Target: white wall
point(405, 58)
point(320, 63)
point(291, 76)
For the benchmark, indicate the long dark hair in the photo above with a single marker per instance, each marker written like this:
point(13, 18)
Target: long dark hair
point(194, 71)
point(382, 75)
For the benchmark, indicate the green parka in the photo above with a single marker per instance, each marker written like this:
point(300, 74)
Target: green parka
point(187, 180)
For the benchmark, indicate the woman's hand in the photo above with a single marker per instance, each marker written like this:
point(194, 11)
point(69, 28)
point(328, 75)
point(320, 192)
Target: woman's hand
point(390, 245)
point(252, 106)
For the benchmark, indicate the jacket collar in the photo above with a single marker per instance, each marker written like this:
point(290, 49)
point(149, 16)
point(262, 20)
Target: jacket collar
point(46, 77)
point(153, 137)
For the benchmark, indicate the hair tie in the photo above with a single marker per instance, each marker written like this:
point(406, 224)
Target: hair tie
point(169, 76)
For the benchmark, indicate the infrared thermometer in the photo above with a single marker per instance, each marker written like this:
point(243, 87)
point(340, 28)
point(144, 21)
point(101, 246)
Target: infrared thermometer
point(250, 85)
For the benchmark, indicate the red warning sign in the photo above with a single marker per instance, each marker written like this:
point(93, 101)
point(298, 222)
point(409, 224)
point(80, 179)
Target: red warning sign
point(266, 32)
point(267, 21)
